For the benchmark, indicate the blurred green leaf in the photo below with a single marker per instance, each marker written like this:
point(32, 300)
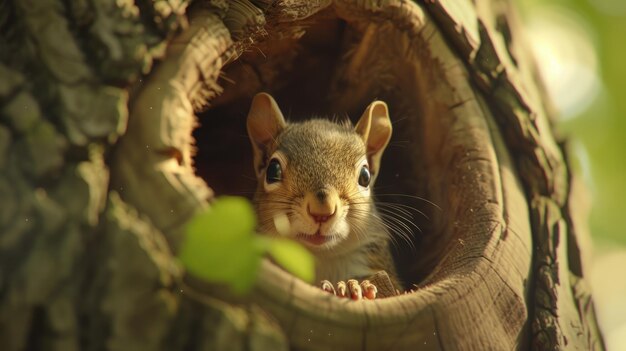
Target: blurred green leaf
point(247, 261)
point(221, 247)
point(294, 258)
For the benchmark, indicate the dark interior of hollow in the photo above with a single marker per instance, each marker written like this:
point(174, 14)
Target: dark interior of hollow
point(224, 155)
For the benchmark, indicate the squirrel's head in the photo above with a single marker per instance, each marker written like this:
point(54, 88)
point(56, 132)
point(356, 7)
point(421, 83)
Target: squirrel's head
point(315, 177)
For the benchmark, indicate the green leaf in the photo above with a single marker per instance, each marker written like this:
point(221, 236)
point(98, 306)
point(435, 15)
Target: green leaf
point(229, 218)
point(220, 245)
point(294, 258)
point(245, 267)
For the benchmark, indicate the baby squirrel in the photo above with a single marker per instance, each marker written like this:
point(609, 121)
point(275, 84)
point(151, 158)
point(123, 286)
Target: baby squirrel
point(315, 183)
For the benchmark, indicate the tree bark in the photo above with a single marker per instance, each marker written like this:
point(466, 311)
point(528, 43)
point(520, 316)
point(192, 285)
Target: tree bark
point(98, 105)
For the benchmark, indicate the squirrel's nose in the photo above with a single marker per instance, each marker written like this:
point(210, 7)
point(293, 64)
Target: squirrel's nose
point(321, 215)
point(321, 206)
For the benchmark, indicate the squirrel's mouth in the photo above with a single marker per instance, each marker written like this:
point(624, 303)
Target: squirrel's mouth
point(316, 239)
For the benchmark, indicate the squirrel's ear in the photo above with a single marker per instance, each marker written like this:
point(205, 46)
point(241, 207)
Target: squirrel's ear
point(265, 121)
point(374, 127)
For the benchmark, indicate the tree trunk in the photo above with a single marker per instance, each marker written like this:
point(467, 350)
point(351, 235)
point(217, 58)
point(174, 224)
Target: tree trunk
point(98, 106)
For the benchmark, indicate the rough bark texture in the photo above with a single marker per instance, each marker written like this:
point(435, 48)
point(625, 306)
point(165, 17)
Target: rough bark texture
point(97, 173)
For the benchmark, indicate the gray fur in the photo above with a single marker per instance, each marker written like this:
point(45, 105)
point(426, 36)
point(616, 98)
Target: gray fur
point(321, 156)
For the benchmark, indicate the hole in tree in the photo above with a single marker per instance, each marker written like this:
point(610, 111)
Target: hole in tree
point(300, 74)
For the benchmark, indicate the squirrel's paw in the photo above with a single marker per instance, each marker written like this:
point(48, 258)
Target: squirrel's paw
point(352, 289)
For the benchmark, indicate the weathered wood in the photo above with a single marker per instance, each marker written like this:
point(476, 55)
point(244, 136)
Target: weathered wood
point(497, 54)
point(97, 174)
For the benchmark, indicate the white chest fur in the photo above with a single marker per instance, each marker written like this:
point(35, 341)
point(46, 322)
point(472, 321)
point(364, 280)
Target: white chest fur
point(353, 265)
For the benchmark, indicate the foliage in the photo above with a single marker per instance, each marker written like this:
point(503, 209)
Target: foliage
point(221, 247)
point(601, 127)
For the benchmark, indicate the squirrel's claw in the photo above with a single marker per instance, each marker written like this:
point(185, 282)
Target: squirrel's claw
point(355, 290)
point(341, 289)
point(351, 288)
point(369, 290)
point(328, 287)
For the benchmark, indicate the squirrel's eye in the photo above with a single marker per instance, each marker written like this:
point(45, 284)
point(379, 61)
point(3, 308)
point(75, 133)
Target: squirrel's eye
point(274, 172)
point(364, 177)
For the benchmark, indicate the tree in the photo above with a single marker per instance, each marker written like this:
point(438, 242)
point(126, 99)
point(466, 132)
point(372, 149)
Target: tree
point(97, 176)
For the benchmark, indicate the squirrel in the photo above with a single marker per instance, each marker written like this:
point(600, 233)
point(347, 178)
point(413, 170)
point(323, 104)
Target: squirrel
point(315, 182)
